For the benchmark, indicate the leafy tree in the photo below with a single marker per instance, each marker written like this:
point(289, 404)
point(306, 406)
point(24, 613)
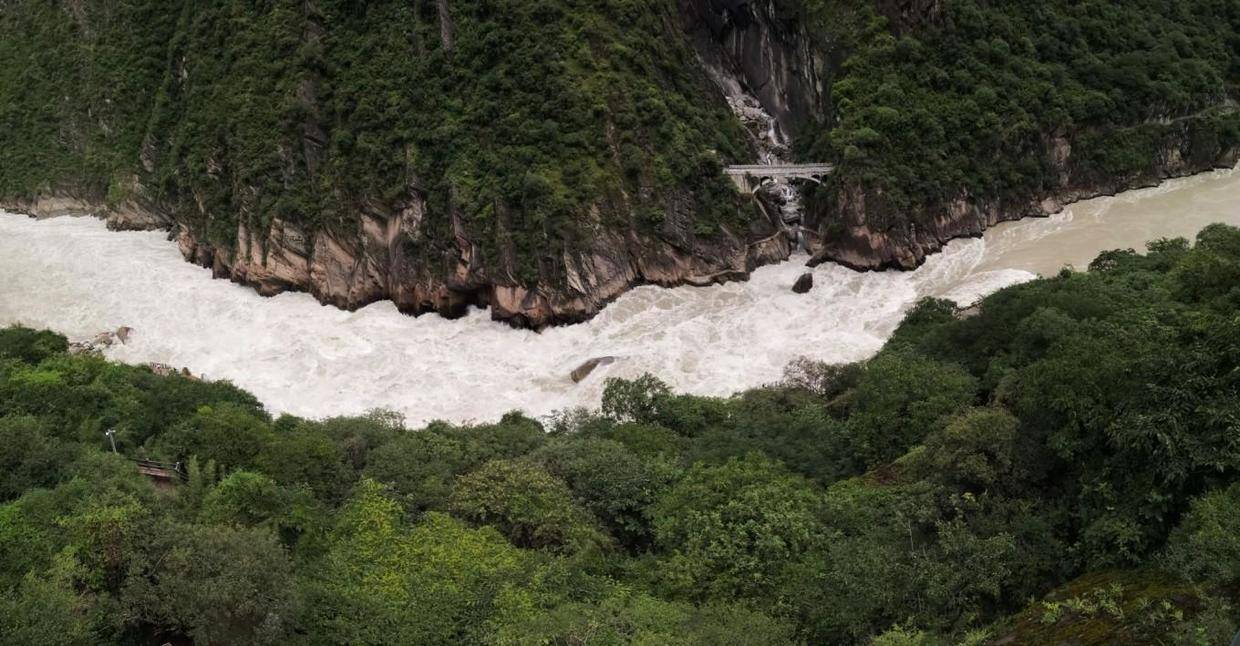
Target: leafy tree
point(43, 609)
point(649, 440)
point(439, 581)
point(302, 457)
point(975, 451)
point(624, 617)
point(902, 398)
point(861, 577)
point(357, 437)
point(227, 434)
point(635, 400)
point(30, 346)
point(533, 508)
point(610, 481)
point(1206, 545)
point(735, 531)
point(515, 435)
point(245, 499)
point(793, 426)
point(421, 467)
point(1212, 270)
point(215, 584)
point(31, 458)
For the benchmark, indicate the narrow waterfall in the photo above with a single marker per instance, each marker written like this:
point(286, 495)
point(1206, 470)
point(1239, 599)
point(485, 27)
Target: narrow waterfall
point(774, 147)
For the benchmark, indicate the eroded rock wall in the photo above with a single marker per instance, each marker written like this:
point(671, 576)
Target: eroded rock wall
point(350, 272)
point(854, 229)
point(764, 44)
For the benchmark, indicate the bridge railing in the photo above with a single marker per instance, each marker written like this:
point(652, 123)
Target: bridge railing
point(769, 170)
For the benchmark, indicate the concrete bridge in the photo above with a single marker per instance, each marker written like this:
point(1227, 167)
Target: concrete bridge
point(751, 177)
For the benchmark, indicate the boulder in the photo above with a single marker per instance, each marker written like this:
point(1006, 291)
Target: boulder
point(968, 312)
point(804, 283)
point(101, 341)
point(165, 370)
point(82, 348)
point(588, 367)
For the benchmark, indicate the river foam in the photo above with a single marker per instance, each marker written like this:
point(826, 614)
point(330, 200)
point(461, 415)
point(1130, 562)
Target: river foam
point(74, 276)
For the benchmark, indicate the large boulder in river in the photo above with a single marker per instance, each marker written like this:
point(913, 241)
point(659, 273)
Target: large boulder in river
point(804, 283)
point(588, 367)
point(101, 341)
point(106, 339)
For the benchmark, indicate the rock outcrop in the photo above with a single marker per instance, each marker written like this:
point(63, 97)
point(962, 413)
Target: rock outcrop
point(351, 271)
point(764, 44)
point(804, 283)
point(129, 215)
point(857, 230)
point(585, 369)
point(101, 341)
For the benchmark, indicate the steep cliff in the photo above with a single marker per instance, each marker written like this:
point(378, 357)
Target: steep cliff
point(950, 116)
point(767, 47)
point(538, 157)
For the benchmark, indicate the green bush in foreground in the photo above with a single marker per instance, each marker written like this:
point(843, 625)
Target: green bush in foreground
point(1061, 466)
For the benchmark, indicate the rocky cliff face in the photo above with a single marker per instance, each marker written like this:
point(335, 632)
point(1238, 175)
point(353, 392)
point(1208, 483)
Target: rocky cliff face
point(391, 153)
point(129, 215)
point(355, 270)
point(854, 230)
point(765, 45)
point(371, 265)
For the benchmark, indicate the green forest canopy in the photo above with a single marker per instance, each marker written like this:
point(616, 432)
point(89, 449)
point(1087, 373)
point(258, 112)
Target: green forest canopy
point(969, 103)
point(1062, 466)
point(525, 116)
point(528, 114)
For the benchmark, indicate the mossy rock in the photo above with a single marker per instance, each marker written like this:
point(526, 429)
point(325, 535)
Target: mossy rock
point(1111, 607)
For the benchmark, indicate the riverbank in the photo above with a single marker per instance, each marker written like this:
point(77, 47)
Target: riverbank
point(75, 277)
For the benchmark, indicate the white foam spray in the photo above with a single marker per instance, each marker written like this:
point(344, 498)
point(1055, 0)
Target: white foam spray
point(74, 276)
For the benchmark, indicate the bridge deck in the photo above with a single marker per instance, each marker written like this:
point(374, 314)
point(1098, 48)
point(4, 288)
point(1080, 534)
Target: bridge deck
point(779, 170)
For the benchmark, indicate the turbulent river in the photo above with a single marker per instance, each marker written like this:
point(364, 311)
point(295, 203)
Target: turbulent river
point(74, 276)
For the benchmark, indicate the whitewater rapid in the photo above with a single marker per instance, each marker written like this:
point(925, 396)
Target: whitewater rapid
point(299, 357)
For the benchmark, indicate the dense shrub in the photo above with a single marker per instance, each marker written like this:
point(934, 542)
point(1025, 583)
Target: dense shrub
point(1076, 434)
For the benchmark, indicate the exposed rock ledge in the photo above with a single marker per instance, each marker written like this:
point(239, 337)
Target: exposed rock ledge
point(355, 272)
point(130, 215)
point(350, 273)
point(861, 245)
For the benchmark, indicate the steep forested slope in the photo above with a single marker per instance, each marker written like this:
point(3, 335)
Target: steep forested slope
point(949, 116)
point(1073, 441)
point(542, 156)
point(536, 156)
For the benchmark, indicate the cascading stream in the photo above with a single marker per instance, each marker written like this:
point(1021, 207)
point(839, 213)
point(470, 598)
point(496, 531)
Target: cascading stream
point(774, 148)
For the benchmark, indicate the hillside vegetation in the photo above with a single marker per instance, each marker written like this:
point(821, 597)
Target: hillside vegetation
point(550, 154)
point(1063, 465)
point(525, 126)
point(1010, 102)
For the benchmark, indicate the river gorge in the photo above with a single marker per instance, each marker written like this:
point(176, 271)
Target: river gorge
point(74, 276)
